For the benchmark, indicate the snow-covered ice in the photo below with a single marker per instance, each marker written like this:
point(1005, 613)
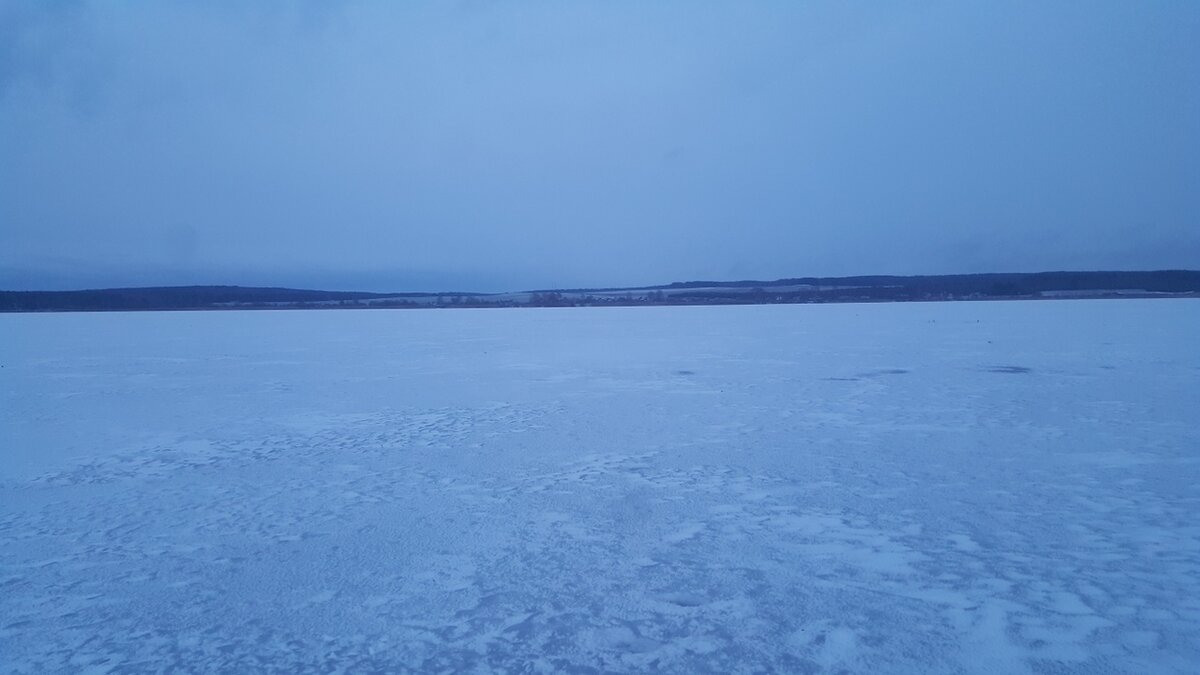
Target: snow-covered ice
point(986, 487)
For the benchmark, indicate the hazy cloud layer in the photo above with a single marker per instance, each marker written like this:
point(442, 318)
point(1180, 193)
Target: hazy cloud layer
point(507, 145)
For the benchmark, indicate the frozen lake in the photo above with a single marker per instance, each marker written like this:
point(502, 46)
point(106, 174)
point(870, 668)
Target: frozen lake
point(986, 487)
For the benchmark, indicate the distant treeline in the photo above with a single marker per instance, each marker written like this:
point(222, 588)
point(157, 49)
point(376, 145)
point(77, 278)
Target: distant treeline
point(1015, 283)
point(943, 287)
point(166, 297)
point(803, 289)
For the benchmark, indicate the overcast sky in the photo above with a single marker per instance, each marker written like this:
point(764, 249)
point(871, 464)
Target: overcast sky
point(511, 145)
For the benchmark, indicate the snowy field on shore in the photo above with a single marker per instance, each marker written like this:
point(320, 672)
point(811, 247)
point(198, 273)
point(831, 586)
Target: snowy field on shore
point(974, 487)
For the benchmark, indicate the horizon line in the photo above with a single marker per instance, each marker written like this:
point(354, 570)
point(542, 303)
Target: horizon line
point(604, 288)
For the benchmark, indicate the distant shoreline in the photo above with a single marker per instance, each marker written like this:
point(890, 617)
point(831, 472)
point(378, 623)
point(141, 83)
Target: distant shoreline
point(807, 290)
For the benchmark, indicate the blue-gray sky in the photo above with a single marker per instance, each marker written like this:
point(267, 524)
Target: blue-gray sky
point(507, 145)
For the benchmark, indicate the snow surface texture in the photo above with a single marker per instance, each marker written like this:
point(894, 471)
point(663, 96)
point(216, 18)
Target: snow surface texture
point(929, 488)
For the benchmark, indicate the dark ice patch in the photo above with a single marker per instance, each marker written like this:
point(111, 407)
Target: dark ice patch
point(885, 371)
point(684, 599)
point(1011, 370)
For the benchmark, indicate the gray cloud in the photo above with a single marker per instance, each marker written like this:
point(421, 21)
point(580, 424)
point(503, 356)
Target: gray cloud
point(537, 144)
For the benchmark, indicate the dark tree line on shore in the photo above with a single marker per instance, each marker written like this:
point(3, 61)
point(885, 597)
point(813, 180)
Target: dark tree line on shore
point(805, 289)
